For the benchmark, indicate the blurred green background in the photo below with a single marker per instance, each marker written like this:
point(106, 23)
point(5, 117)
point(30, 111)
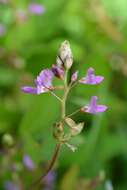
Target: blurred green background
point(97, 32)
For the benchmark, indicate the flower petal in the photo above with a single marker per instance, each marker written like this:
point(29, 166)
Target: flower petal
point(30, 90)
point(93, 108)
point(45, 78)
point(101, 108)
point(91, 78)
point(28, 163)
point(98, 79)
point(35, 8)
point(41, 89)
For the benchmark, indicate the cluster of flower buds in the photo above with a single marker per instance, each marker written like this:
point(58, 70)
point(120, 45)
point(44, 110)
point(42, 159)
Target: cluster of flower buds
point(44, 83)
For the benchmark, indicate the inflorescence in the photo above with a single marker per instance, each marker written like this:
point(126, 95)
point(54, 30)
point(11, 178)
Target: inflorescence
point(44, 84)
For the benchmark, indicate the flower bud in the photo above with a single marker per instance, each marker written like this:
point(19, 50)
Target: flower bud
point(65, 54)
point(74, 76)
point(58, 71)
point(68, 62)
point(59, 62)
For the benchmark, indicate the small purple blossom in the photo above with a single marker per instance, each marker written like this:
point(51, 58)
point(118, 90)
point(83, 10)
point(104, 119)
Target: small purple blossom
point(35, 8)
point(93, 107)
point(49, 180)
point(74, 76)
point(2, 30)
point(58, 71)
point(43, 83)
point(91, 78)
point(28, 163)
point(9, 185)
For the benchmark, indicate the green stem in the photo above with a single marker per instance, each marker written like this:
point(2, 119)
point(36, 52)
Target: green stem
point(58, 98)
point(66, 91)
point(75, 112)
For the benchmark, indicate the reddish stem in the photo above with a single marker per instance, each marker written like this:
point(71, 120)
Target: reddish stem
point(49, 168)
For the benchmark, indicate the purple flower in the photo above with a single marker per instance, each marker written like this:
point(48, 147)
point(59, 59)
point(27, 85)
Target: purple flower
point(9, 185)
point(91, 78)
point(35, 8)
point(74, 76)
point(49, 180)
point(2, 30)
point(93, 107)
point(28, 163)
point(43, 83)
point(58, 71)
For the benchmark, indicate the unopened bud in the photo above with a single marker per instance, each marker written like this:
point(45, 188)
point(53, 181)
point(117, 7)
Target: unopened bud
point(59, 62)
point(74, 76)
point(65, 55)
point(68, 62)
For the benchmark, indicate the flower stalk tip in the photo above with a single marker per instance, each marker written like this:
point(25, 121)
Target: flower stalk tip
point(65, 55)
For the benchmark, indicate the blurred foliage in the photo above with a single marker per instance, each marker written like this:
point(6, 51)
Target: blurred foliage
point(97, 31)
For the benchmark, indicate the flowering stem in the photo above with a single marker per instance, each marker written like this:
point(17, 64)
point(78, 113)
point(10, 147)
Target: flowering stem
point(53, 94)
point(66, 91)
point(75, 112)
point(74, 84)
point(58, 98)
